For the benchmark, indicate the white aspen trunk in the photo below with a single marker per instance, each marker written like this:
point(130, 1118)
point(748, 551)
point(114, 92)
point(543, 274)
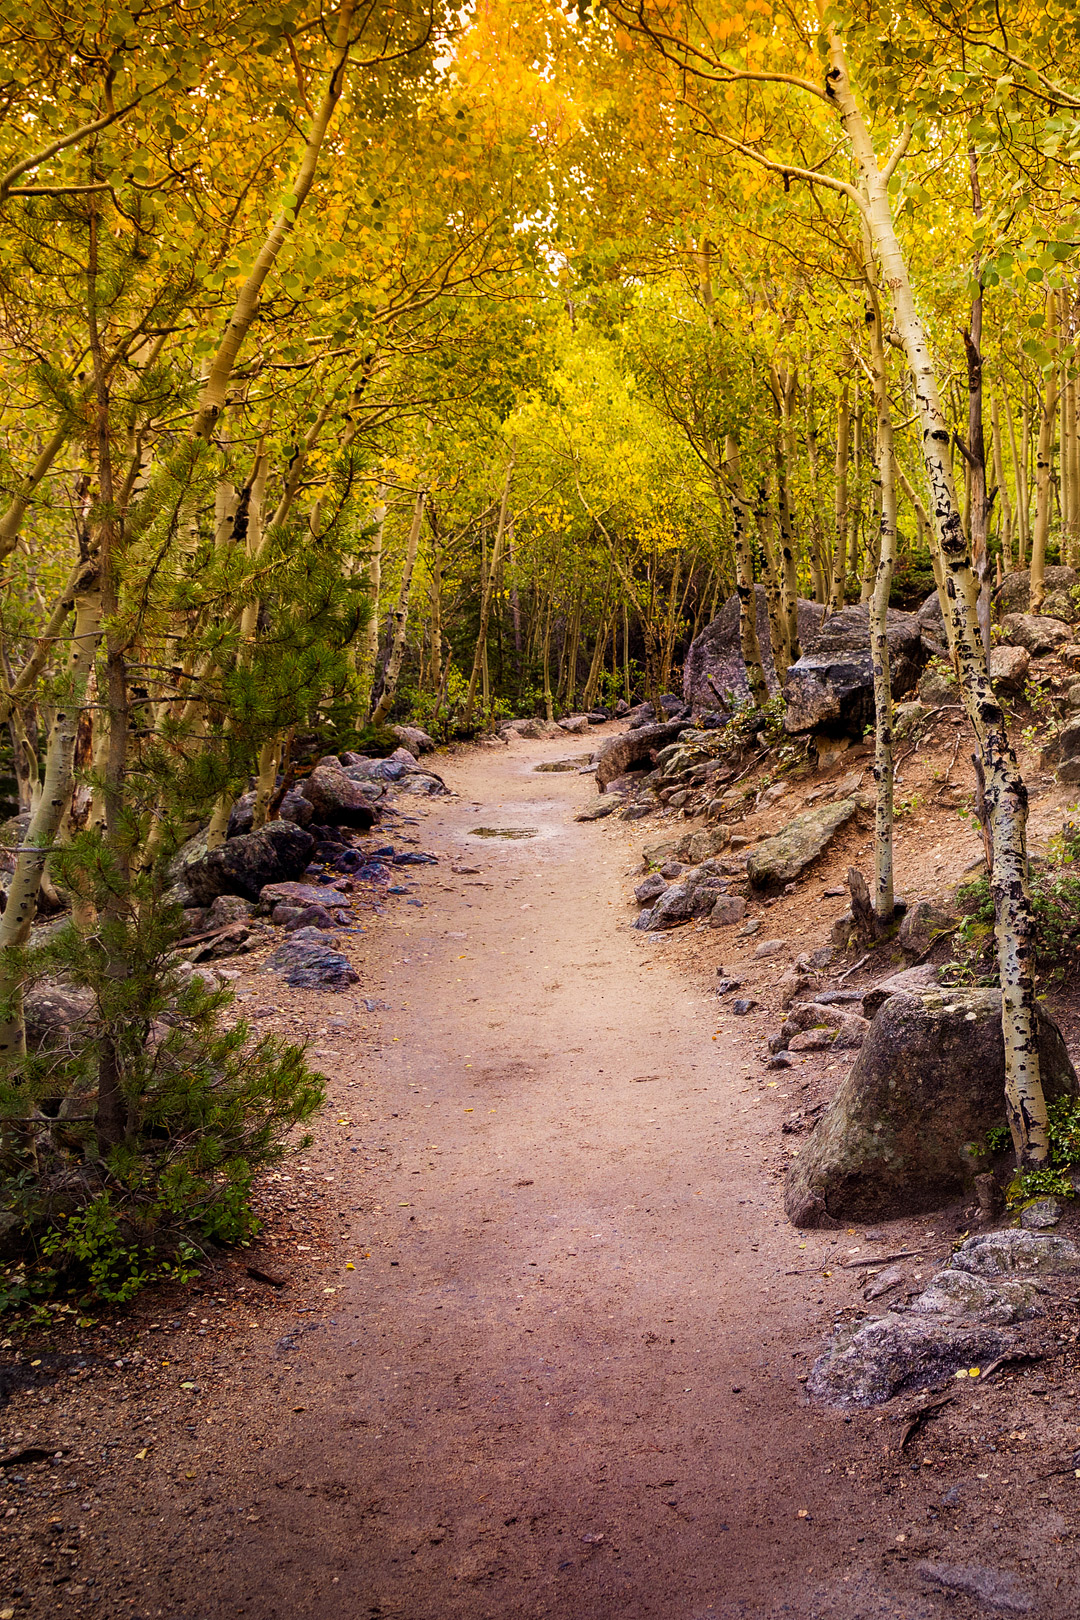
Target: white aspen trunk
point(400, 617)
point(368, 652)
point(1003, 488)
point(1006, 796)
point(480, 657)
point(45, 822)
point(1044, 466)
point(744, 575)
point(884, 900)
point(266, 780)
point(773, 594)
point(839, 567)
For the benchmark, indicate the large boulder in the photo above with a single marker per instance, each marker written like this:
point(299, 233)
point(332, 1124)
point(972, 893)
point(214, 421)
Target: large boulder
point(1013, 595)
point(786, 856)
point(244, 865)
point(634, 750)
point(831, 687)
point(309, 962)
point(714, 675)
point(414, 739)
point(931, 622)
point(336, 798)
point(929, 1081)
point(1036, 632)
point(58, 1016)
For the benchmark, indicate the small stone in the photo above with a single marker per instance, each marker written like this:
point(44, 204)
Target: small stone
point(1041, 1215)
point(752, 927)
point(671, 869)
point(725, 986)
point(742, 1007)
point(884, 1282)
point(651, 889)
point(728, 910)
point(770, 947)
point(1009, 667)
point(779, 1060)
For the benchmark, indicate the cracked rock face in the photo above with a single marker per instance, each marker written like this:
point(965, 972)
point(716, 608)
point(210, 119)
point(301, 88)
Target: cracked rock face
point(991, 1282)
point(870, 1363)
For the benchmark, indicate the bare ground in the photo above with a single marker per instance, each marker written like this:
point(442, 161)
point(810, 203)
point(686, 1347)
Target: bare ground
point(541, 1345)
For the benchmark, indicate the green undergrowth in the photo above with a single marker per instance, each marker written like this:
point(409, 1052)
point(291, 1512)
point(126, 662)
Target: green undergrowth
point(1052, 1180)
point(95, 1214)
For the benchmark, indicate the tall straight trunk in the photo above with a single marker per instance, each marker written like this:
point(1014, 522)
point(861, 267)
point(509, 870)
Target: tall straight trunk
point(1023, 497)
point(838, 578)
point(400, 617)
point(744, 574)
point(368, 651)
point(549, 704)
point(773, 598)
point(1044, 467)
point(1003, 488)
point(884, 901)
point(33, 852)
point(436, 613)
point(488, 587)
point(784, 388)
point(1005, 794)
point(978, 502)
point(818, 563)
point(626, 650)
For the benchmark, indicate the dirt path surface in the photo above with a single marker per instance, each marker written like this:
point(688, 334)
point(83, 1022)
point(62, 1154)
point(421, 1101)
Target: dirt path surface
point(562, 1376)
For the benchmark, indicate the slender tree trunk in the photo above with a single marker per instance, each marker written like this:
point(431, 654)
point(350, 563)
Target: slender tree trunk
point(838, 581)
point(744, 575)
point(368, 654)
point(1003, 488)
point(400, 618)
point(883, 898)
point(1044, 467)
point(1006, 796)
point(487, 590)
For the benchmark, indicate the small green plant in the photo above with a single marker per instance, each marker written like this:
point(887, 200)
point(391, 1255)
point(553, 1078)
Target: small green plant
point(998, 1139)
point(909, 806)
point(1052, 1180)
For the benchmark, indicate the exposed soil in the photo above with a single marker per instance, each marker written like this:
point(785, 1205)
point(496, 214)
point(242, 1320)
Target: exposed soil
point(542, 1338)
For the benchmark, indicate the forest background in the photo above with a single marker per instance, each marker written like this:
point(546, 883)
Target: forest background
point(388, 363)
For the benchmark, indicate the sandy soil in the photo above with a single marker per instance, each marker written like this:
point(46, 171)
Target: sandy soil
point(542, 1343)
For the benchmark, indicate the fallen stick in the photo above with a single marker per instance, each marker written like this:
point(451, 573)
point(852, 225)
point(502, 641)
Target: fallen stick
point(880, 1259)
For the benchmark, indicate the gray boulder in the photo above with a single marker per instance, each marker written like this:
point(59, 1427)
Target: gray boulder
point(931, 622)
point(336, 799)
point(57, 1016)
point(870, 1363)
point(307, 961)
point(1036, 632)
point(296, 894)
point(244, 865)
point(1013, 595)
point(414, 739)
point(923, 922)
point(727, 910)
point(634, 749)
point(909, 981)
point(294, 807)
point(929, 1080)
point(714, 675)
point(826, 1026)
point(785, 857)
point(649, 890)
point(605, 804)
point(831, 687)
point(681, 902)
point(1015, 1252)
point(1009, 667)
point(228, 908)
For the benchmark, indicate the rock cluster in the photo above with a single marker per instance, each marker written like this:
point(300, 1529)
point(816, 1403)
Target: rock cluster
point(959, 1320)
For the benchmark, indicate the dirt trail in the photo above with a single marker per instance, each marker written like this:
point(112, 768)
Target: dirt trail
point(565, 1381)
